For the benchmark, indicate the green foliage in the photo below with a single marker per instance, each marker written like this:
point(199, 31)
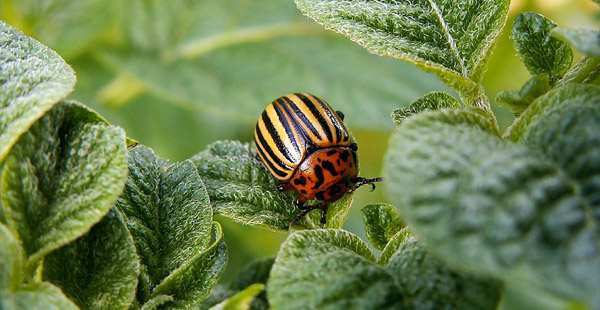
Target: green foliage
point(34, 78)
point(451, 39)
point(60, 178)
point(168, 212)
point(98, 270)
point(500, 220)
point(242, 189)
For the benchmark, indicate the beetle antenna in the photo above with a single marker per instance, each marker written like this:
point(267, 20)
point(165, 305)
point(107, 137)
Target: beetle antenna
point(364, 181)
point(322, 206)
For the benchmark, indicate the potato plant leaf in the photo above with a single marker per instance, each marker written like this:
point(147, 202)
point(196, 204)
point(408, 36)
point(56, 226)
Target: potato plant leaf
point(586, 41)
point(538, 49)
point(61, 178)
point(33, 79)
point(431, 101)
point(38, 295)
point(100, 269)
point(242, 189)
point(518, 100)
point(449, 38)
point(382, 222)
point(168, 212)
point(524, 214)
point(11, 261)
point(241, 300)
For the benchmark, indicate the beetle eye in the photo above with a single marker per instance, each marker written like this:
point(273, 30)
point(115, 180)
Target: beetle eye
point(354, 147)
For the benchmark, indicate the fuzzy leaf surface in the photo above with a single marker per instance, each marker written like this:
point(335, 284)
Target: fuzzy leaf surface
point(39, 295)
point(33, 78)
point(430, 102)
point(242, 189)
point(168, 212)
point(61, 178)
point(100, 269)
point(586, 41)
point(382, 222)
point(427, 283)
point(502, 209)
point(538, 49)
point(451, 39)
point(518, 100)
point(241, 300)
point(11, 261)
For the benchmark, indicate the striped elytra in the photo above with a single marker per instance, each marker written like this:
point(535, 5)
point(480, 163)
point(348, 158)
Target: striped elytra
point(304, 143)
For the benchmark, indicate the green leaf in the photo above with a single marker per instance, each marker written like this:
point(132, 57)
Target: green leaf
point(586, 41)
point(11, 261)
point(518, 100)
point(241, 300)
point(167, 209)
point(60, 178)
point(256, 272)
point(585, 71)
point(546, 104)
point(34, 78)
point(329, 269)
point(242, 189)
point(540, 52)
point(427, 283)
point(156, 301)
point(100, 269)
point(500, 209)
point(430, 102)
point(36, 296)
point(381, 222)
point(451, 39)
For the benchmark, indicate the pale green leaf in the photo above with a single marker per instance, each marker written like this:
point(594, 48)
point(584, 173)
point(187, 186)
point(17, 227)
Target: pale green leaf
point(586, 41)
point(427, 283)
point(242, 189)
point(548, 103)
point(241, 300)
point(11, 261)
point(430, 102)
point(69, 27)
point(585, 71)
point(518, 100)
point(451, 39)
point(168, 211)
point(498, 208)
point(156, 301)
point(382, 222)
point(100, 269)
point(36, 296)
point(33, 79)
point(61, 177)
point(540, 52)
point(329, 269)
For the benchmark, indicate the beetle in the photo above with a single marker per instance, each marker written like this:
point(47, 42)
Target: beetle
point(304, 143)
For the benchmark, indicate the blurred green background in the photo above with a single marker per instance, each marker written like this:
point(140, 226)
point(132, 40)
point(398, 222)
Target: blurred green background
point(179, 75)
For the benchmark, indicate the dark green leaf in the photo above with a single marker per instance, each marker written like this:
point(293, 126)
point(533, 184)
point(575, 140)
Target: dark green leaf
point(40, 295)
point(242, 189)
point(256, 272)
point(168, 212)
point(11, 261)
point(586, 41)
point(34, 78)
point(499, 208)
point(540, 52)
point(156, 301)
point(100, 269)
point(430, 102)
point(241, 300)
point(61, 177)
point(549, 102)
point(427, 283)
point(518, 100)
point(381, 222)
point(329, 269)
point(451, 39)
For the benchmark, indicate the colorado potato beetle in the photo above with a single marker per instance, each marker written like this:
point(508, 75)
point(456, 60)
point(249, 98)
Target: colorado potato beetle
point(304, 143)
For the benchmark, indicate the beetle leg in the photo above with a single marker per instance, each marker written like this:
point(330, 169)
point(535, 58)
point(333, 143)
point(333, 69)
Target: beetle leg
point(323, 216)
point(322, 206)
point(364, 181)
point(353, 147)
point(257, 157)
point(340, 114)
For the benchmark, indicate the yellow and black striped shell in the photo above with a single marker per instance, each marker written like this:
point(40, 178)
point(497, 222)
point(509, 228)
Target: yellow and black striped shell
point(295, 126)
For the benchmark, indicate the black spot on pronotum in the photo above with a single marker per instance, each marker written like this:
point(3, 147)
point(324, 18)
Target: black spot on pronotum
point(330, 152)
point(300, 181)
point(320, 177)
point(327, 165)
point(344, 155)
point(303, 192)
point(335, 190)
